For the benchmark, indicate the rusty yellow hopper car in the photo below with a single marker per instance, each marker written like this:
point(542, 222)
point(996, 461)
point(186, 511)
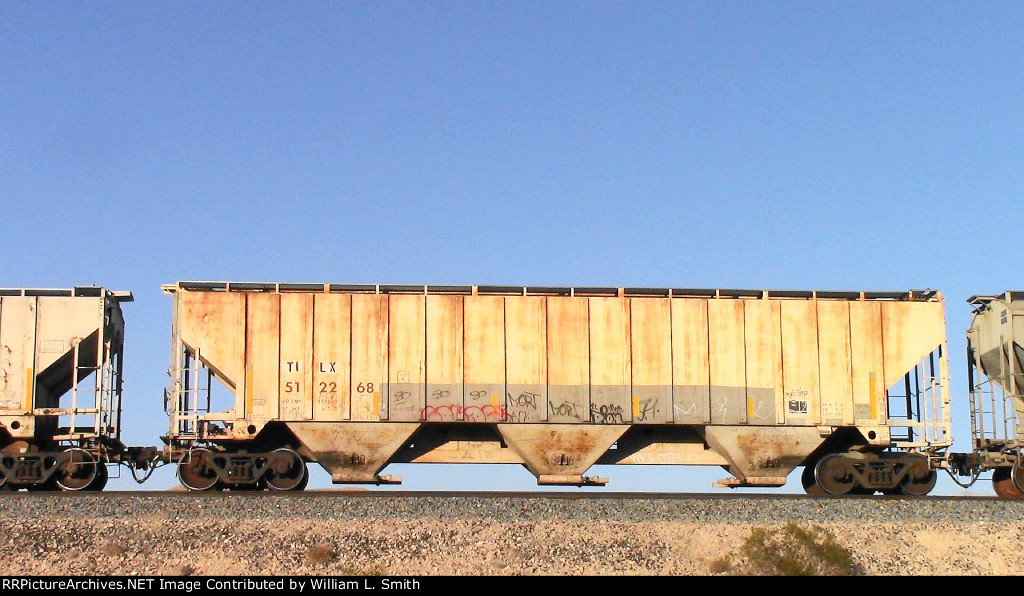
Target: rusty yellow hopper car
point(267, 377)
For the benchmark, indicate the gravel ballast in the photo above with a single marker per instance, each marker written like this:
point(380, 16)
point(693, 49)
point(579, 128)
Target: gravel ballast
point(338, 534)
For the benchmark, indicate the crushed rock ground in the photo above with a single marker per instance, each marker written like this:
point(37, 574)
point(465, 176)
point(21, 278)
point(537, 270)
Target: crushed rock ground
point(321, 535)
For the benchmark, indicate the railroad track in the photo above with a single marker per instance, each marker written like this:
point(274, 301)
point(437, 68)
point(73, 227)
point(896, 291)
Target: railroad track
point(385, 532)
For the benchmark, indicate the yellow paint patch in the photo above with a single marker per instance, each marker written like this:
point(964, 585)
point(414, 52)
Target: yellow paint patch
point(248, 389)
point(873, 393)
point(29, 388)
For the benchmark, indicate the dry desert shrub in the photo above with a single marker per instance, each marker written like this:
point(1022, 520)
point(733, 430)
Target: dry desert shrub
point(789, 550)
point(112, 549)
point(321, 554)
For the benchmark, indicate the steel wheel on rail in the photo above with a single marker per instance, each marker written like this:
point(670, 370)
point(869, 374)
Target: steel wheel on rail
point(920, 478)
point(76, 470)
point(809, 483)
point(195, 470)
point(6, 463)
point(287, 471)
point(834, 474)
point(100, 482)
point(1017, 475)
point(1002, 482)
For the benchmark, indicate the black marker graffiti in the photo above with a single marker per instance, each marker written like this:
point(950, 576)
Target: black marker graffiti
point(606, 414)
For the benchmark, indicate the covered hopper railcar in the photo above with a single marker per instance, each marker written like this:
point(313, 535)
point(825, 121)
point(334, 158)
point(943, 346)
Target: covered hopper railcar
point(60, 388)
point(266, 378)
point(995, 357)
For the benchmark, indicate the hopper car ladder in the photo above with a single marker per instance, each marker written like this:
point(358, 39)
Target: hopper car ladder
point(194, 396)
point(997, 433)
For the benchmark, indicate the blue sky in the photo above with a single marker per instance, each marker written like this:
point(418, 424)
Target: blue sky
point(777, 145)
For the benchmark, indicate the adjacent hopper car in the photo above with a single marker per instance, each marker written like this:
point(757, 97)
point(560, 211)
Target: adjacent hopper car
point(60, 388)
point(269, 378)
point(995, 357)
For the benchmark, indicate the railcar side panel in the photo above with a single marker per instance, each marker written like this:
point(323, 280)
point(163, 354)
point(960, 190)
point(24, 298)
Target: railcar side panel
point(728, 362)
point(763, 347)
point(801, 372)
point(867, 368)
point(527, 363)
point(406, 358)
point(332, 357)
point(295, 390)
point(650, 360)
point(444, 360)
point(835, 363)
point(910, 332)
point(706, 374)
point(484, 358)
point(611, 396)
point(691, 362)
point(369, 356)
point(215, 322)
point(17, 354)
point(568, 356)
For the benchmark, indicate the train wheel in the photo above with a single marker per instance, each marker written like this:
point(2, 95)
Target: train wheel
point(920, 478)
point(77, 470)
point(195, 472)
point(100, 482)
point(1002, 482)
point(8, 463)
point(287, 471)
point(811, 485)
point(833, 473)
